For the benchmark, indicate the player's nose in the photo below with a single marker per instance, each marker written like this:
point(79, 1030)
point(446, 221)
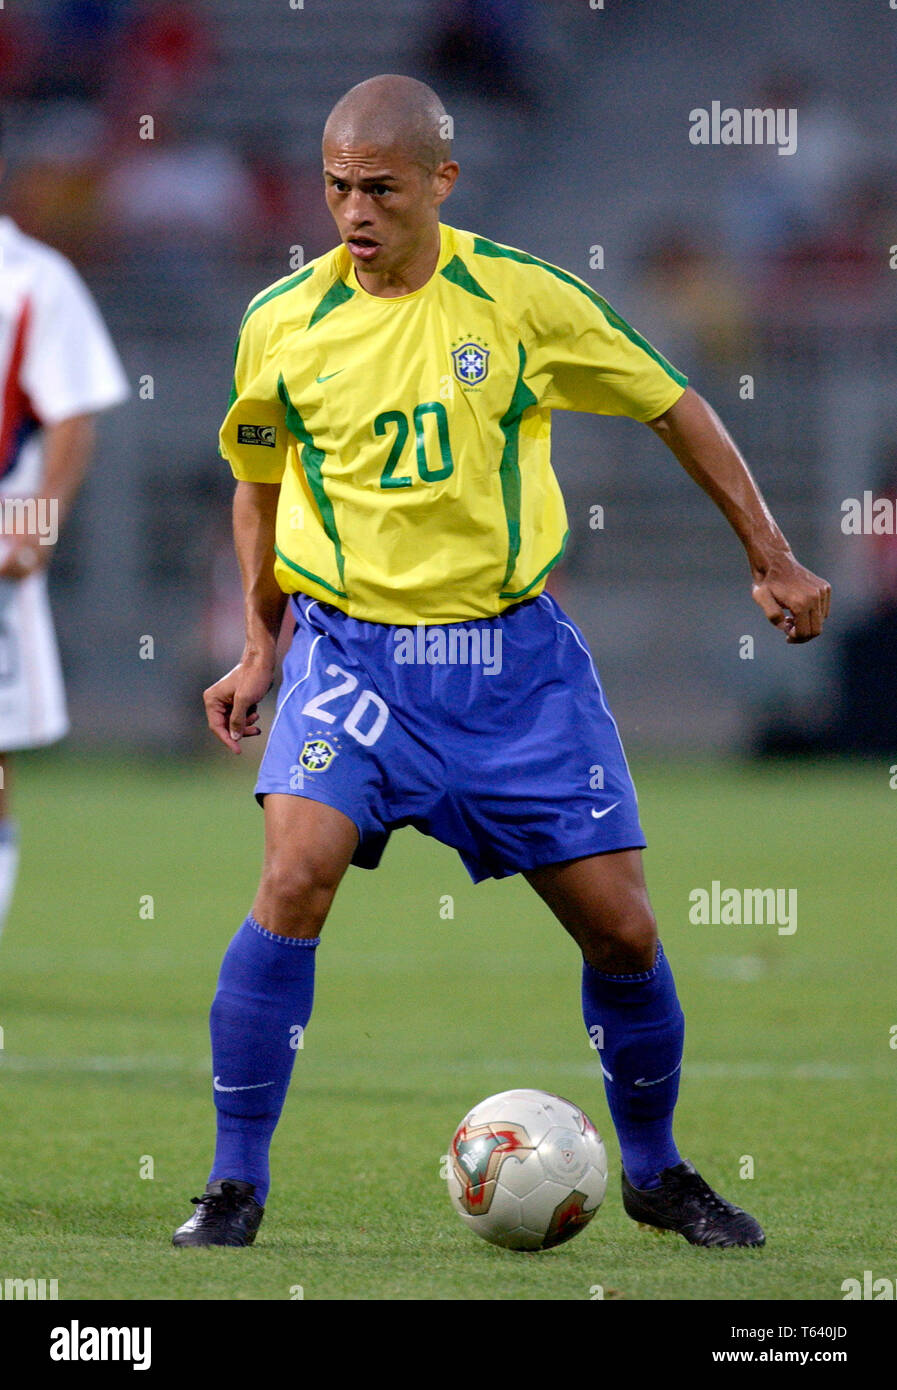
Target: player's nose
point(357, 208)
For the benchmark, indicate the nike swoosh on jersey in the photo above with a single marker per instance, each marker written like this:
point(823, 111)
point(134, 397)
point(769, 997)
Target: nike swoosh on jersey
point(330, 374)
point(642, 1082)
point(258, 1086)
point(599, 814)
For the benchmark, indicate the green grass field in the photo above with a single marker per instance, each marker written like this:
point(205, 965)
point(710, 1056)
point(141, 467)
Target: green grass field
point(106, 1065)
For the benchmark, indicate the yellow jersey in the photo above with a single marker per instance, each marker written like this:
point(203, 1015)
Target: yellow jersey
point(411, 436)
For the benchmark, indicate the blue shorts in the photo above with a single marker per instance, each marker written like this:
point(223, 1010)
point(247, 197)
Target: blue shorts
point(491, 735)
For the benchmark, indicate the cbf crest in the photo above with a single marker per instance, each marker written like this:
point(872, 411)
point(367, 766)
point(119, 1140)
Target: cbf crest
point(317, 755)
point(470, 362)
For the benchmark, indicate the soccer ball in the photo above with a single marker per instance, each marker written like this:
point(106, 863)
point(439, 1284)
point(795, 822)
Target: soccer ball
point(527, 1170)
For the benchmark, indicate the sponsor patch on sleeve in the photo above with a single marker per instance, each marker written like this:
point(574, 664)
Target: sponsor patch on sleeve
point(257, 434)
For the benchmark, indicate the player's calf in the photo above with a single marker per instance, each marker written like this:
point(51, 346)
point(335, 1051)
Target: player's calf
point(602, 901)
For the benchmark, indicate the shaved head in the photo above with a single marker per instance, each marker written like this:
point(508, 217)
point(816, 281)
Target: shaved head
point(387, 170)
point(392, 112)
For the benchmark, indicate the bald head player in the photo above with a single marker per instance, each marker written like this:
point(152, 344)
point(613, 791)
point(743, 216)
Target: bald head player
point(389, 430)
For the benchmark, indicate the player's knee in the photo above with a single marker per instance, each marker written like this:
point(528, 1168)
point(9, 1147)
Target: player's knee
point(295, 893)
point(628, 942)
point(637, 938)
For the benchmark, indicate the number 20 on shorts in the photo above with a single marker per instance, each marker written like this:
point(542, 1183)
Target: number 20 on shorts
point(358, 715)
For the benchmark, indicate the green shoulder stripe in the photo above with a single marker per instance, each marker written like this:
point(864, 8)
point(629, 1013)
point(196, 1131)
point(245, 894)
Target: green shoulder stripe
point(456, 271)
point(483, 247)
point(312, 461)
point(282, 288)
point(338, 294)
point(264, 298)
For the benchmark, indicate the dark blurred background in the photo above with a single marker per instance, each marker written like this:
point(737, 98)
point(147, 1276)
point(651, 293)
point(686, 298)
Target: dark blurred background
point(572, 131)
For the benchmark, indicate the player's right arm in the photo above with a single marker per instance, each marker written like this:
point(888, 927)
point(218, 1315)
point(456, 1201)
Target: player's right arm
point(232, 702)
point(253, 440)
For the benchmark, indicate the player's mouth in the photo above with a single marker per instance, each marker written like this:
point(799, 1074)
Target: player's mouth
point(364, 247)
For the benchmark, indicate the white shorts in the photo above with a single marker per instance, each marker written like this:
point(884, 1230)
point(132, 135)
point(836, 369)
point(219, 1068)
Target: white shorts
point(32, 694)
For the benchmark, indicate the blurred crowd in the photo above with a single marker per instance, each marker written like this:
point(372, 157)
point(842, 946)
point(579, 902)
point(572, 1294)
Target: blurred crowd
point(111, 162)
point(785, 239)
point(799, 235)
point(115, 160)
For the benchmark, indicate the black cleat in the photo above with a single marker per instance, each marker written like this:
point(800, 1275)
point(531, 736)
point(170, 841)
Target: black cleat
point(684, 1202)
point(226, 1214)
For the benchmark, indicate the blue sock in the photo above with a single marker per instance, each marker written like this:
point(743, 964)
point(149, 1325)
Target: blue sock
point(261, 1008)
point(642, 1029)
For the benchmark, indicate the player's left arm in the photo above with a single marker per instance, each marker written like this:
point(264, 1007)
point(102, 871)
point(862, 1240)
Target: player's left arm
point(793, 598)
point(68, 449)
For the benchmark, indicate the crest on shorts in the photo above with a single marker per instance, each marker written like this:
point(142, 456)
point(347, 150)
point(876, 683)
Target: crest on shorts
point(470, 362)
point(317, 755)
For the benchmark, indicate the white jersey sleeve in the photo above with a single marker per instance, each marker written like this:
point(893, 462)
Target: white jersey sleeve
point(70, 366)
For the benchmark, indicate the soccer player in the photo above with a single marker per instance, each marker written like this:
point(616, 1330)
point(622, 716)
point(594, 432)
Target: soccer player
point(389, 431)
point(58, 369)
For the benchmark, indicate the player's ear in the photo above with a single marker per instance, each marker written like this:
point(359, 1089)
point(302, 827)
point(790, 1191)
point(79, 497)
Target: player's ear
point(444, 176)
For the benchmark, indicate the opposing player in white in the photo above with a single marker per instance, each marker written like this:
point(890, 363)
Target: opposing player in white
point(58, 367)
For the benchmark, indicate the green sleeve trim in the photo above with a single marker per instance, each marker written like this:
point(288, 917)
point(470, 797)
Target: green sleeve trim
point(312, 461)
point(483, 247)
point(339, 293)
point(519, 593)
point(308, 574)
point(234, 393)
point(509, 468)
point(282, 288)
point(456, 271)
